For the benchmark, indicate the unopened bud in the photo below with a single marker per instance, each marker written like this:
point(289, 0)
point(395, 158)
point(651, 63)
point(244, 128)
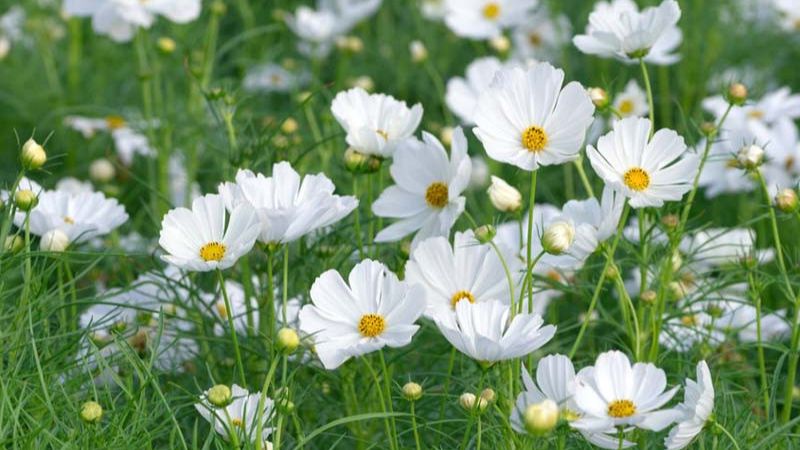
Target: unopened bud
point(489, 395)
point(737, 94)
point(485, 233)
point(558, 238)
point(541, 417)
point(91, 412)
point(364, 82)
point(33, 155)
point(25, 200)
point(786, 200)
point(357, 162)
point(166, 45)
point(599, 97)
point(446, 136)
point(708, 128)
point(289, 126)
point(648, 297)
point(102, 170)
point(13, 244)
point(218, 8)
point(418, 51)
point(750, 156)
point(219, 395)
point(504, 197)
point(412, 391)
point(54, 241)
point(288, 340)
point(670, 221)
point(501, 44)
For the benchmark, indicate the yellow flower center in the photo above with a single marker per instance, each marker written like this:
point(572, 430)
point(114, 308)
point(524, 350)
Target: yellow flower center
point(553, 275)
point(69, 220)
point(626, 107)
point(569, 415)
point(535, 39)
point(371, 325)
point(437, 195)
point(534, 139)
point(491, 11)
point(621, 408)
point(383, 134)
point(213, 251)
point(275, 78)
point(689, 321)
point(637, 179)
point(115, 122)
point(222, 310)
point(237, 422)
point(461, 295)
point(756, 114)
point(789, 162)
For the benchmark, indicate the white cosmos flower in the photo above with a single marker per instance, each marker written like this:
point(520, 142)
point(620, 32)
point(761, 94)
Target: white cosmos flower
point(119, 19)
point(603, 216)
point(721, 173)
point(272, 78)
point(613, 393)
point(619, 30)
point(375, 123)
point(697, 406)
point(466, 271)
point(484, 332)
point(555, 380)
point(541, 36)
point(525, 118)
point(714, 247)
point(463, 93)
point(427, 195)
point(682, 333)
point(647, 171)
point(790, 14)
point(289, 206)
point(632, 102)
point(484, 19)
point(319, 28)
point(772, 107)
point(206, 237)
point(782, 146)
point(372, 310)
point(240, 415)
point(127, 141)
point(73, 186)
point(80, 216)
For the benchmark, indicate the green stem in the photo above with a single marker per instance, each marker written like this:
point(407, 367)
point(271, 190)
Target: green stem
point(584, 179)
point(728, 434)
point(266, 319)
point(762, 368)
point(234, 335)
point(359, 238)
point(379, 389)
point(649, 89)
point(262, 400)
point(529, 243)
point(414, 426)
point(387, 382)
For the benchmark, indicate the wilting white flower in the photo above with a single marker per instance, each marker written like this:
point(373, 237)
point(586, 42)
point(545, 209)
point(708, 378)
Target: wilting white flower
point(541, 36)
point(375, 123)
point(182, 191)
point(555, 381)
point(119, 19)
point(463, 93)
point(206, 237)
point(373, 310)
point(80, 216)
point(484, 332)
point(603, 216)
point(484, 19)
point(613, 393)
point(549, 130)
point(632, 102)
point(427, 195)
point(619, 30)
point(466, 271)
point(272, 78)
point(289, 206)
point(503, 196)
point(240, 416)
point(697, 406)
point(649, 171)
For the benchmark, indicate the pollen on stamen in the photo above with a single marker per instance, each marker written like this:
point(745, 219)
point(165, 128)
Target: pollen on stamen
point(371, 325)
point(637, 179)
point(626, 107)
point(222, 310)
point(491, 11)
point(115, 122)
point(437, 195)
point(383, 134)
point(461, 295)
point(69, 220)
point(213, 251)
point(534, 138)
point(621, 409)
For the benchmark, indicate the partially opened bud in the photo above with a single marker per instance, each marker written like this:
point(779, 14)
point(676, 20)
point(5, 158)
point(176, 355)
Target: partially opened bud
point(599, 97)
point(503, 196)
point(220, 395)
point(54, 241)
point(470, 402)
point(786, 200)
point(33, 155)
point(750, 156)
point(737, 94)
point(489, 395)
point(558, 238)
point(91, 412)
point(288, 340)
point(418, 51)
point(412, 391)
point(500, 43)
point(541, 417)
point(25, 200)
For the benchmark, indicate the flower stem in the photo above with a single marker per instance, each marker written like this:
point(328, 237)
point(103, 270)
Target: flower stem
point(234, 336)
point(762, 370)
point(414, 426)
point(728, 434)
point(649, 89)
point(262, 400)
point(529, 243)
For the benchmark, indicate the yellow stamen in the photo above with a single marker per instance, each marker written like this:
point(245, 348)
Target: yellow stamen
point(637, 179)
point(689, 321)
point(626, 107)
point(371, 325)
point(491, 11)
point(534, 139)
point(222, 310)
point(437, 195)
point(69, 220)
point(383, 134)
point(461, 295)
point(621, 408)
point(213, 251)
point(535, 39)
point(115, 122)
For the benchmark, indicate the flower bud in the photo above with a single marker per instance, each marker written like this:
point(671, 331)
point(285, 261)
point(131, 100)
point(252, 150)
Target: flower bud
point(648, 297)
point(364, 82)
point(485, 233)
point(467, 400)
point(288, 340)
point(737, 94)
point(489, 395)
point(166, 45)
point(91, 412)
point(677, 261)
point(612, 271)
point(218, 8)
point(54, 241)
point(33, 155)
point(285, 405)
point(501, 44)
point(541, 417)
point(357, 162)
point(796, 393)
point(446, 136)
point(670, 221)
point(708, 128)
point(599, 97)
point(102, 170)
point(418, 51)
point(503, 196)
point(786, 200)
point(750, 156)
point(412, 391)
point(219, 395)
point(25, 200)
point(13, 244)
point(289, 126)
point(558, 238)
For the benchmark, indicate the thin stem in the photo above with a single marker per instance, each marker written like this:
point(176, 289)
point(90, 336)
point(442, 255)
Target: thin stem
point(234, 336)
point(285, 284)
point(728, 434)
point(445, 392)
point(266, 320)
point(387, 382)
point(262, 400)
point(379, 390)
point(584, 179)
point(359, 238)
point(762, 369)
point(649, 89)
point(529, 243)
point(621, 436)
point(414, 426)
